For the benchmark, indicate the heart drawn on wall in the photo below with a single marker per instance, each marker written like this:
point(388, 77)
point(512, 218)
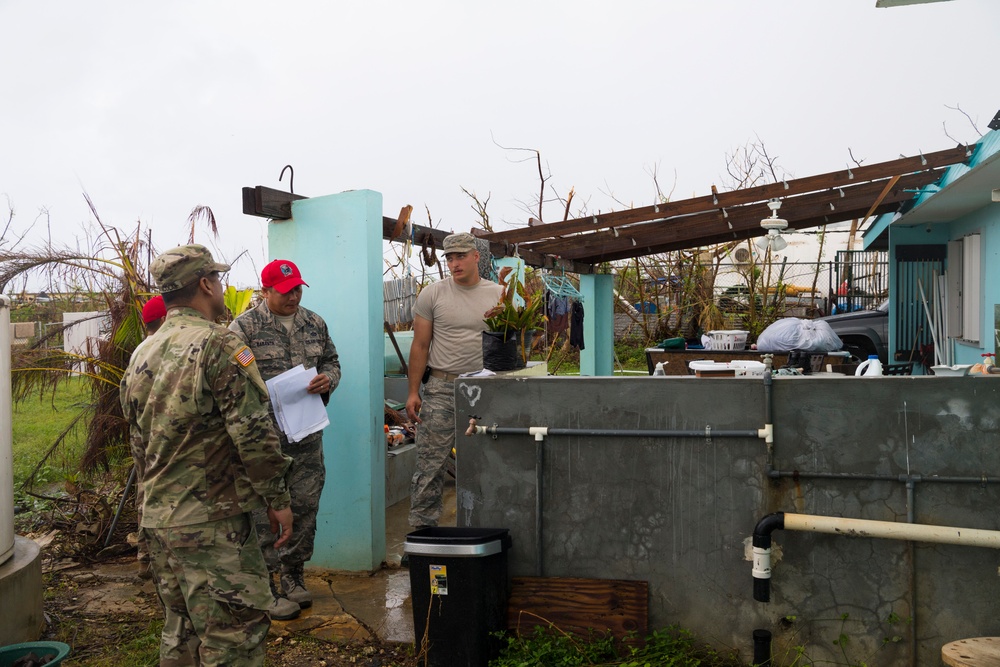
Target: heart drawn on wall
point(472, 393)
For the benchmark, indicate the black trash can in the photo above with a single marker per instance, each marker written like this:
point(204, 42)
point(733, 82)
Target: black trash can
point(459, 590)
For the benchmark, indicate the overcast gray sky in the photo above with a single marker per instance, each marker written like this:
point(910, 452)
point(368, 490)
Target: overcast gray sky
point(154, 108)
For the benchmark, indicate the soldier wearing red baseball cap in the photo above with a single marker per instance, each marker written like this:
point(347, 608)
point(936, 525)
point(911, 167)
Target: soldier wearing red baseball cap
point(282, 335)
point(282, 275)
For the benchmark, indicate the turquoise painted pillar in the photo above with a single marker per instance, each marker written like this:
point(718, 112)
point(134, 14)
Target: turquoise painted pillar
point(598, 353)
point(336, 241)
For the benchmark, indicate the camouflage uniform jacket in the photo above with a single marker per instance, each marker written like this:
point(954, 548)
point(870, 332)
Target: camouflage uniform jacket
point(277, 350)
point(202, 440)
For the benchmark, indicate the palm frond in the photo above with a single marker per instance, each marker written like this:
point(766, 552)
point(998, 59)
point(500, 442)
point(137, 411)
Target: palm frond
point(201, 212)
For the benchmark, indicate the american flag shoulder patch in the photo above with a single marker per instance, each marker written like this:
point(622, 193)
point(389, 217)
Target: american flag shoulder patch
point(244, 356)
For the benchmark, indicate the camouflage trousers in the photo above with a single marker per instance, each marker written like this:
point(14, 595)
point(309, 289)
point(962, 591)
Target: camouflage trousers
point(435, 440)
point(212, 582)
point(305, 482)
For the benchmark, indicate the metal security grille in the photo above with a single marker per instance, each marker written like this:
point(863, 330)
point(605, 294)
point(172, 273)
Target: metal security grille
point(860, 279)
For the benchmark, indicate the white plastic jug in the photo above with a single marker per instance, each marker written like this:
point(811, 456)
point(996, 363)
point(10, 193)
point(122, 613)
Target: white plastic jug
point(870, 368)
point(659, 369)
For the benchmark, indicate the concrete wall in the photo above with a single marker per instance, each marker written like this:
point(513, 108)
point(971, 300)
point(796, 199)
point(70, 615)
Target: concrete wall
point(678, 512)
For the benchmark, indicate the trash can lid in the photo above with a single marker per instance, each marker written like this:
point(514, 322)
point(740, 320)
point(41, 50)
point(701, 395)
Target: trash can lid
point(452, 541)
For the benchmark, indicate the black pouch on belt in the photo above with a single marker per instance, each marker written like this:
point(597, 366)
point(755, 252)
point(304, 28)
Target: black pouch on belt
point(426, 376)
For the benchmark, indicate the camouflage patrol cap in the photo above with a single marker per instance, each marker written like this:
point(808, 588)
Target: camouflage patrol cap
point(183, 265)
point(460, 242)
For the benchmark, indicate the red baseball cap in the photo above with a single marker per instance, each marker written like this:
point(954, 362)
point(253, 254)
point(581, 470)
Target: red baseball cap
point(154, 310)
point(282, 275)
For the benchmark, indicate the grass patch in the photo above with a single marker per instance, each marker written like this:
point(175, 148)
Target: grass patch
point(672, 647)
point(141, 650)
point(37, 423)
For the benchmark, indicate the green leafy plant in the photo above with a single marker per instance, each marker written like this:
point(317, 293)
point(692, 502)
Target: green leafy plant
point(237, 301)
point(507, 315)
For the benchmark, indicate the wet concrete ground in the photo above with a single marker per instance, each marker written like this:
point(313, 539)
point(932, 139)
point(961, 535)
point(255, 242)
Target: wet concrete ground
point(355, 606)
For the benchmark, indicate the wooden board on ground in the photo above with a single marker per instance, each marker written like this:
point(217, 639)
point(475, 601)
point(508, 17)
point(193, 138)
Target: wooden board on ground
point(578, 605)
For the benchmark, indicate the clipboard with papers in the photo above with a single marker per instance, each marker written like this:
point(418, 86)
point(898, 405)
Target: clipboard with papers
point(298, 413)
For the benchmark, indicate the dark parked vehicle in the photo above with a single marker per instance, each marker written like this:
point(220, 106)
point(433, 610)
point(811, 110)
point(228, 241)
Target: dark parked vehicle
point(863, 332)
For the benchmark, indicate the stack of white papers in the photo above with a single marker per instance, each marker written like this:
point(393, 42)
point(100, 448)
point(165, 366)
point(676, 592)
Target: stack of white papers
point(298, 412)
point(483, 373)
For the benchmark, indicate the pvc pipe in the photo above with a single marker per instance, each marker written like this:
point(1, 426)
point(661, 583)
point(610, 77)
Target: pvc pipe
point(534, 432)
point(892, 530)
point(832, 525)
point(6, 438)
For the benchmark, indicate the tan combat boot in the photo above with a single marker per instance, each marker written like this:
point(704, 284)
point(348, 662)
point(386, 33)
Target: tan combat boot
point(282, 609)
point(294, 586)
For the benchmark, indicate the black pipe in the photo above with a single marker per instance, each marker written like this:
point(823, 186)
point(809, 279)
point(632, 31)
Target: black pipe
point(762, 648)
point(762, 540)
point(539, 468)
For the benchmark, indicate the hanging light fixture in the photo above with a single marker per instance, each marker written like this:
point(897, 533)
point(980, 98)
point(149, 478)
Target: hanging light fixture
point(774, 226)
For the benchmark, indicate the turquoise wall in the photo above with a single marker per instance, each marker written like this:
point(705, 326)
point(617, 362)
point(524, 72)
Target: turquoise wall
point(985, 221)
point(336, 241)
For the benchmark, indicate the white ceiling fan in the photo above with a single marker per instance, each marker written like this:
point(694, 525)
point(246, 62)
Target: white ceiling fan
point(774, 226)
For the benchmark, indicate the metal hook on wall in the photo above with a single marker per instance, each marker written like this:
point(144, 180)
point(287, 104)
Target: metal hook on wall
point(291, 178)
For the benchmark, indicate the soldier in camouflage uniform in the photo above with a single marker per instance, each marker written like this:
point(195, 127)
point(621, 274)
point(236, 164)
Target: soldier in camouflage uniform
point(282, 335)
point(206, 455)
point(447, 327)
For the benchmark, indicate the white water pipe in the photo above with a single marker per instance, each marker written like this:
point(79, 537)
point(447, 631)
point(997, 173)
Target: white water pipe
point(6, 438)
point(834, 525)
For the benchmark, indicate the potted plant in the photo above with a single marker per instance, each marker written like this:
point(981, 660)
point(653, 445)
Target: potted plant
point(511, 324)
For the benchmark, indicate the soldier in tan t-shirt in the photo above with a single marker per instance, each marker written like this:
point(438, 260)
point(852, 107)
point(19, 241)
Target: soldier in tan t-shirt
point(447, 327)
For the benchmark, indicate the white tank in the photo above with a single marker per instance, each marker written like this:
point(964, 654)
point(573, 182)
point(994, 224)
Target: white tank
point(6, 439)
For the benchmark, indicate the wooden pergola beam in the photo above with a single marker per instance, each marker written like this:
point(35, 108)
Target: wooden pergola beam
point(704, 228)
point(734, 198)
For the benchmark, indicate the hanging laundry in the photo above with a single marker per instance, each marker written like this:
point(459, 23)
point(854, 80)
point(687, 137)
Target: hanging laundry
point(558, 308)
point(576, 326)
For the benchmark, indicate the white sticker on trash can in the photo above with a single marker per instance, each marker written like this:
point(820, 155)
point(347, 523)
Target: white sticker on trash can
point(439, 579)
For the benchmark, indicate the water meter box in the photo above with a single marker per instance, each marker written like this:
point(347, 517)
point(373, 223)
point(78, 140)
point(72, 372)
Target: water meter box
point(459, 589)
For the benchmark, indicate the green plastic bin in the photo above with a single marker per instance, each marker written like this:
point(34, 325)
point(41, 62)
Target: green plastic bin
point(10, 654)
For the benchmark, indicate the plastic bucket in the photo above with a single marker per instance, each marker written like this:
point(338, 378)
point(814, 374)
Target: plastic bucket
point(12, 653)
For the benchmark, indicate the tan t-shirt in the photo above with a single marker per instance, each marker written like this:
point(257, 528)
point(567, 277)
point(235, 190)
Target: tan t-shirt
point(457, 315)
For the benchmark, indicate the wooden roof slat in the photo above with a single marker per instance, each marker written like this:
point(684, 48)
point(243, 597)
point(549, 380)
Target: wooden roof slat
point(734, 198)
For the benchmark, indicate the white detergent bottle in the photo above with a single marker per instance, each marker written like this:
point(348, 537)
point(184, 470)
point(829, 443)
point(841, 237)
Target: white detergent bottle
point(870, 368)
point(659, 369)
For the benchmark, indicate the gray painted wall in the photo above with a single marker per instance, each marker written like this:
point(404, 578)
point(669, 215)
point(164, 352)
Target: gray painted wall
point(678, 512)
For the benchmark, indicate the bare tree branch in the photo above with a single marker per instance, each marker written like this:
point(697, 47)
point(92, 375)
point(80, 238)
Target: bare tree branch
point(479, 206)
point(569, 200)
point(856, 161)
point(959, 109)
point(541, 175)
point(662, 198)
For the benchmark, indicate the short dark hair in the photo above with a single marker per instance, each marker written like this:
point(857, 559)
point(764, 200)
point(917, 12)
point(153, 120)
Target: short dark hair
point(185, 294)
